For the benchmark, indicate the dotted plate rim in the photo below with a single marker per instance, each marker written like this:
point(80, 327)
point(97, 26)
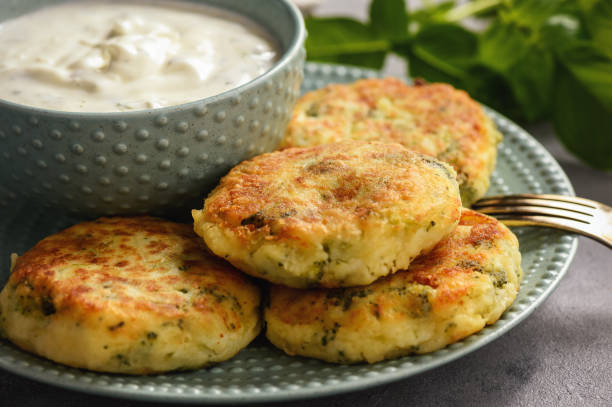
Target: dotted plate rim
point(546, 258)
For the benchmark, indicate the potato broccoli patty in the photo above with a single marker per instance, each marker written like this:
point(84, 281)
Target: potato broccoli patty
point(334, 215)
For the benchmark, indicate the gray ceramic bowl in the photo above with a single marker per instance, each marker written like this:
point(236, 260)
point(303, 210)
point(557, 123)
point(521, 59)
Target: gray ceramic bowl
point(155, 161)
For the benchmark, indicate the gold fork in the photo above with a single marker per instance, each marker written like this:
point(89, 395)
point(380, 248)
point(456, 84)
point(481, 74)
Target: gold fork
point(578, 215)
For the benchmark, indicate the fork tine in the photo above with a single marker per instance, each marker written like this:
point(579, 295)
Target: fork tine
point(539, 203)
point(548, 197)
point(579, 215)
point(520, 210)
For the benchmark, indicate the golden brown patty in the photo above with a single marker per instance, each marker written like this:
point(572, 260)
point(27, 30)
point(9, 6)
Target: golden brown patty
point(465, 282)
point(435, 119)
point(331, 215)
point(128, 295)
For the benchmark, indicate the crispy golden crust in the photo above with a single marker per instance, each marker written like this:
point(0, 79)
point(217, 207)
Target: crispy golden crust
point(332, 215)
point(434, 119)
point(465, 282)
point(128, 295)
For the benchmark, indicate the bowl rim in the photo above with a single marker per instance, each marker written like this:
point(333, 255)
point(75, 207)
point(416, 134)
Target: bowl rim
point(291, 52)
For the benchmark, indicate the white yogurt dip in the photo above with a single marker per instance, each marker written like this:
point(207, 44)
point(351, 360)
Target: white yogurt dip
point(117, 56)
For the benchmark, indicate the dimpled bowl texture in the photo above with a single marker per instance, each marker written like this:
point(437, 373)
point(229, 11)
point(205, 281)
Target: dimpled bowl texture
point(158, 161)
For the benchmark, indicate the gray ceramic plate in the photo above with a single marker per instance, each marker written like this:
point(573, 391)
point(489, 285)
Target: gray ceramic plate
point(262, 373)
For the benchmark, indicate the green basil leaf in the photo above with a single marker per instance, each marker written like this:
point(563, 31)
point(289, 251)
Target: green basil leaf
point(479, 8)
point(586, 5)
point(431, 68)
point(527, 67)
point(372, 60)
point(582, 104)
point(592, 68)
point(388, 19)
point(450, 43)
point(432, 14)
point(599, 24)
point(502, 44)
point(561, 31)
point(493, 89)
point(531, 81)
point(345, 41)
point(531, 13)
point(440, 52)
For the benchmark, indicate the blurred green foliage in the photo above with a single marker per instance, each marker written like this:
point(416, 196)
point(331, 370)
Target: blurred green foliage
point(534, 60)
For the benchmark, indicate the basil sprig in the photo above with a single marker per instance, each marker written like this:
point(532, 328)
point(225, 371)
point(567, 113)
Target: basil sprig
point(535, 60)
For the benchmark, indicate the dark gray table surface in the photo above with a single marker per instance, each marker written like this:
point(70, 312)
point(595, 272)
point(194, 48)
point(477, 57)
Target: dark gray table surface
point(561, 355)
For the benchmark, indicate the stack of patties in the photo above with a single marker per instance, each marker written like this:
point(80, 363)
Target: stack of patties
point(433, 119)
point(367, 247)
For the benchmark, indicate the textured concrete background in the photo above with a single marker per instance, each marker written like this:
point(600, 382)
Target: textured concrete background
point(559, 356)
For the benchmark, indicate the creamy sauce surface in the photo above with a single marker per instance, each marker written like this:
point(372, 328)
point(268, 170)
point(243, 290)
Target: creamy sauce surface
point(94, 56)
